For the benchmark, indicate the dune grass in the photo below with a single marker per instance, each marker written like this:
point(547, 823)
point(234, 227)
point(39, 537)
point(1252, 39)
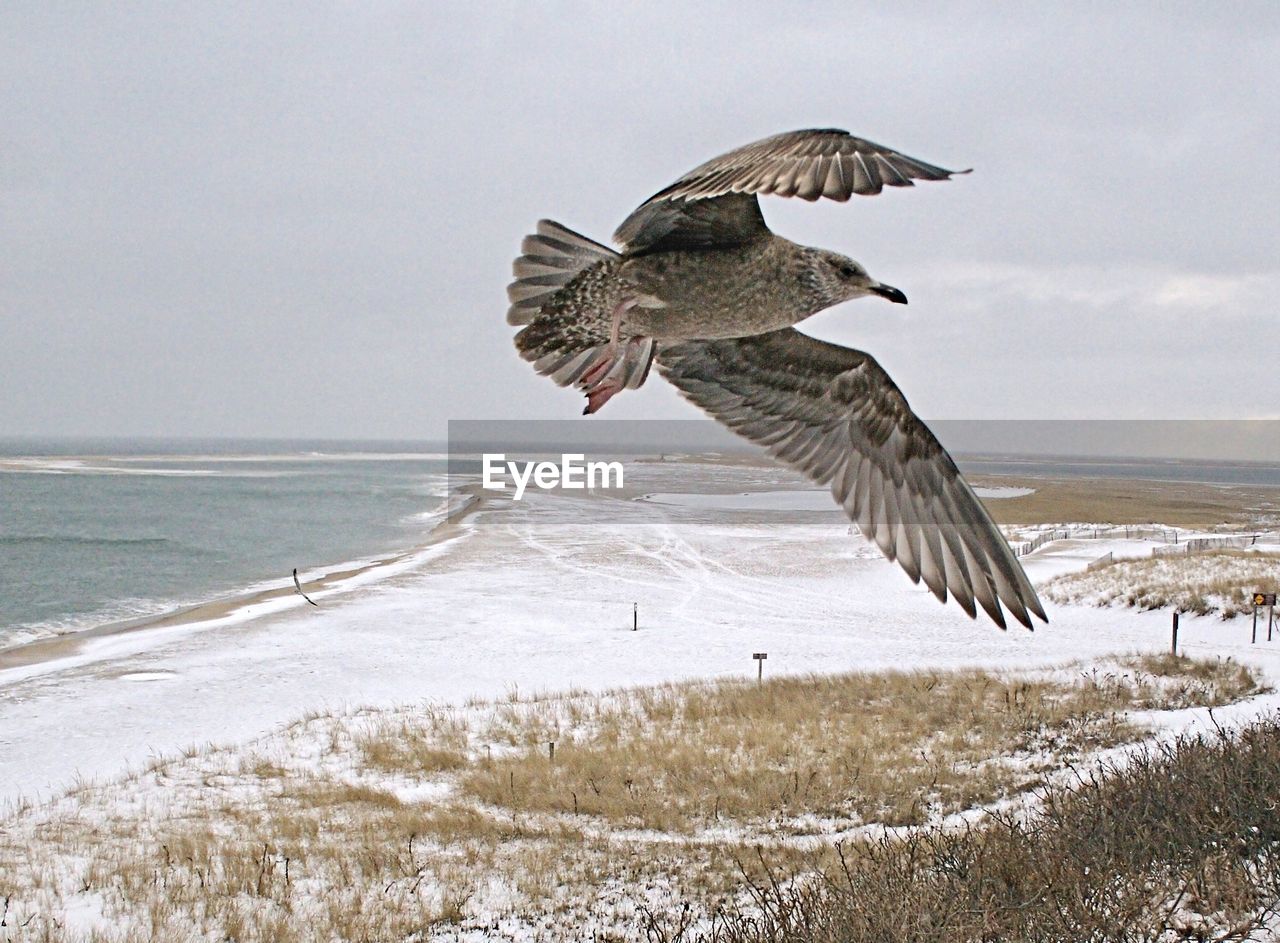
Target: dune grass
point(1215, 581)
point(418, 823)
point(892, 748)
point(1179, 842)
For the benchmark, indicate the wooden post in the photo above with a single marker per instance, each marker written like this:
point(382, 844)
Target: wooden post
point(551, 750)
point(635, 617)
point(1175, 632)
point(1261, 599)
point(759, 657)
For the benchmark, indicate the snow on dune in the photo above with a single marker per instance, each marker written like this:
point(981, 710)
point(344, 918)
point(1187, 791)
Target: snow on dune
point(538, 595)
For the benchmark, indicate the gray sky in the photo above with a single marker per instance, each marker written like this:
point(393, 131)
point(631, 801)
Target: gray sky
point(299, 221)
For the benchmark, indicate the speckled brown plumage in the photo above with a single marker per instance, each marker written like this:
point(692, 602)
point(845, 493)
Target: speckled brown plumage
point(703, 285)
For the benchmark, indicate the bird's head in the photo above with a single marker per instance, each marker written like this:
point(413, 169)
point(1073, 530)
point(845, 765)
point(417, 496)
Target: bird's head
point(834, 278)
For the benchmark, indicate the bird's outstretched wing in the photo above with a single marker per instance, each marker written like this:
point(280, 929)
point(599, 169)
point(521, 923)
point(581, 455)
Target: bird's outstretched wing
point(834, 414)
point(715, 203)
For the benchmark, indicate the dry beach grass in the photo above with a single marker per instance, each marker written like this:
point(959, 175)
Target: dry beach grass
point(1217, 581)
point(419, 823)
point(1178, 842)
point(892, 748)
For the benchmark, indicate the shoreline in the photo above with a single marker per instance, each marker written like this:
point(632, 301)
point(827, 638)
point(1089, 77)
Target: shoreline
point(1055, 499)
point(70, 644)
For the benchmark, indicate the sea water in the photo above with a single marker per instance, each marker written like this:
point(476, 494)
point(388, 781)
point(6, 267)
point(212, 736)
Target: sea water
point(96, 531)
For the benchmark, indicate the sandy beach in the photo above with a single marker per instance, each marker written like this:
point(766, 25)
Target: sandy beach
point(539, 595)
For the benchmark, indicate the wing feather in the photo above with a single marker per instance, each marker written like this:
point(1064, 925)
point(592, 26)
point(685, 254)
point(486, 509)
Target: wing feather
point(812, 164)
point(834, 414)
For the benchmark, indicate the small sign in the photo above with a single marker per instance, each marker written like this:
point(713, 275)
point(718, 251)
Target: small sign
point(1264, 599)
point(759, 656)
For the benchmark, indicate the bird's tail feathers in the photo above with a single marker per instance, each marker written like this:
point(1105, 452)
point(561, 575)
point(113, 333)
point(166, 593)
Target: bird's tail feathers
point(550, 259)
point(572, 335)
point(592, 364)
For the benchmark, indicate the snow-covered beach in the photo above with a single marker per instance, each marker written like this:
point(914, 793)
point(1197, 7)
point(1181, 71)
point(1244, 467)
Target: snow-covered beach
point(538, 596)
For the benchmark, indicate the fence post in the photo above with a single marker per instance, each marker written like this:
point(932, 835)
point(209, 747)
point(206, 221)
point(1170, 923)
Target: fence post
point(1175, 632)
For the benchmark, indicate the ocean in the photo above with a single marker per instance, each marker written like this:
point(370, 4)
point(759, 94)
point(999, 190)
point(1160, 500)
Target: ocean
point(95, 531)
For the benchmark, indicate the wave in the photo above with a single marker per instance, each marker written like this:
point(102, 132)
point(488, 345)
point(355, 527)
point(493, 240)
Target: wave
point(225, 465)
point(124, 610)
point(447, 504)
point(30, 466)
point(17, 540)
point(267, 457)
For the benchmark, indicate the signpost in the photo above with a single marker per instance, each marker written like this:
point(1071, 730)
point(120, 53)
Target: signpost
point(759, 657)
point(1261, 599)
point(635, 616)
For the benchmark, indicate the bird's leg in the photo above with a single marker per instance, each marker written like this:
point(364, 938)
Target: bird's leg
point(610, 351)
point(615, 328)
point(604, 377)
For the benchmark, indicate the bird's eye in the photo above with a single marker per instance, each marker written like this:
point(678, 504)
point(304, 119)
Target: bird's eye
point(847, 270)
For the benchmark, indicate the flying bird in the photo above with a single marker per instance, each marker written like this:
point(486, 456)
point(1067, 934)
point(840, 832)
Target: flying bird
point(703, 287)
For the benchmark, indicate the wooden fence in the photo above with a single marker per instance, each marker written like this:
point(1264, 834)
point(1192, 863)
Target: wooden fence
point(1163, 534)
point(1030, 546)
point(1201, 544)
point(1093, 533)
point(1105, 560)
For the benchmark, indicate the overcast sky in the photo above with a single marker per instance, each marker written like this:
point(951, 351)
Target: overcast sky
point(299, 220)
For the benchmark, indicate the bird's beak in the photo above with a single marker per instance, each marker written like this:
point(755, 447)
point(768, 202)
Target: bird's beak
point(888, 291)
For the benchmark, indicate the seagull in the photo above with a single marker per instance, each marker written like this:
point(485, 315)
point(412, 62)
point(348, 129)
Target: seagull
point(706, 290)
